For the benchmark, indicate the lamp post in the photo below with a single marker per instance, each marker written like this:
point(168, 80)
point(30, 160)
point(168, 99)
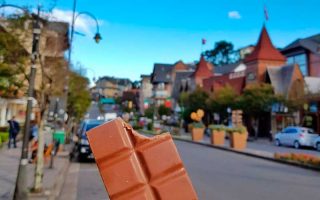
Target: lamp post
point(21, 190)
point(97, 37)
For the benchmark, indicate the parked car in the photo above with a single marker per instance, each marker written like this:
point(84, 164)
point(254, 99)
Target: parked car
point(316, 143)
point(82, 147)
point(295, 136)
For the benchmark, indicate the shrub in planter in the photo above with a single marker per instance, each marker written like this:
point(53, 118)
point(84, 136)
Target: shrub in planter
point(217, 134)
point(197, 131)
point(197, 126)
point(238, 137)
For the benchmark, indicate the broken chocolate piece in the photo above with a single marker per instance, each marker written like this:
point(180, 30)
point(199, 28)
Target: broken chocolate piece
point(135, 167)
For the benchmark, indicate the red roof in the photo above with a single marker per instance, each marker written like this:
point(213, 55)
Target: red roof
point(213, 84)
point(204, 69)
point(264, 49)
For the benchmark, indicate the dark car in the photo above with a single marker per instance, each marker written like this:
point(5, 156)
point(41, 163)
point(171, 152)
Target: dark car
point(82, 146)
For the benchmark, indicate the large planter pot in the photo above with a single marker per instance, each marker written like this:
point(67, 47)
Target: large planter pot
point(197, 134)
point(217, 137)
point(238, 141)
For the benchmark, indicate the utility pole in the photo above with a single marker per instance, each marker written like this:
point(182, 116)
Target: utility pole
point(21, 189)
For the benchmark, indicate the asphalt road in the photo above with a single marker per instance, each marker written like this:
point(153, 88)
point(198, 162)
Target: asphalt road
point(93, 111)
point(217, 175)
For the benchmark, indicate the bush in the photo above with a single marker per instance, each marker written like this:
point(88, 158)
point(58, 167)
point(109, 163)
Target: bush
point(198, 125)
point(217, 127)
point(150, 126)
point(304, 159)
point(240, 129)
point(4, 136)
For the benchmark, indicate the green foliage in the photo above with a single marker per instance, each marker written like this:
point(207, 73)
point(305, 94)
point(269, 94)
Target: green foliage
point(13, 61)
point(223, 53)
point(163, 110)
point(257, 99)
point(198, 125)
point(4, 136)
point(150, 126)
point(79, 97)
point(222, 99)
point(239, 129)
point(149, 112)
point(193, 101)
point(217, 127)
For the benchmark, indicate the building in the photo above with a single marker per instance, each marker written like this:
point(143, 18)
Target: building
point(306, 53)
point(231, 74)
point(245, 51)
point(111, 87)
point(52, 66)
point(163, 80)
point(203, 71)
point(145, 93)
point(264, 55)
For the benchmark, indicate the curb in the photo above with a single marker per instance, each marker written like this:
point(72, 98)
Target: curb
point(57, 187)
point(54, 192)
point(246, 153)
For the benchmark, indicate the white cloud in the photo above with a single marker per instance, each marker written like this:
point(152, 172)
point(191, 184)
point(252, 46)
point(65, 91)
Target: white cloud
point(84, 24)
point(234, 15)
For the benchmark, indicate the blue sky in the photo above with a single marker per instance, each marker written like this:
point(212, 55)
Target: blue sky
point(138, 33)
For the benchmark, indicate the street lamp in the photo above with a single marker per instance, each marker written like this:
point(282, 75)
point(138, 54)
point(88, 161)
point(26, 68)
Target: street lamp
point(21, 190)
point(97, 38)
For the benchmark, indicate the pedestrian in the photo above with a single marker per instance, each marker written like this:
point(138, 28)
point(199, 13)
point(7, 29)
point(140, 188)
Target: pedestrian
point(33, 133)
point(33, 140)
point(14, 129)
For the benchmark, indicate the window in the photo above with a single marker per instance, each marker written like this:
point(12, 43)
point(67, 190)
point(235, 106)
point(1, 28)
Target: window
point(301, 60)
point(161, 86)
point(290, 130)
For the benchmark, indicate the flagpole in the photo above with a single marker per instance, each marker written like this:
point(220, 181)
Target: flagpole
point(203, 42)
point(201, 49)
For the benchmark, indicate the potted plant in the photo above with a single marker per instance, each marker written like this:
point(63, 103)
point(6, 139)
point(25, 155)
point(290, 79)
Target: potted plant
point(238, 137)
point(197, 125)
point(217, 134)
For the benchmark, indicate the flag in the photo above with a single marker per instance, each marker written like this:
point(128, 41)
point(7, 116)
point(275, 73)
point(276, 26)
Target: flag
point(204, 41)
point(266, 13)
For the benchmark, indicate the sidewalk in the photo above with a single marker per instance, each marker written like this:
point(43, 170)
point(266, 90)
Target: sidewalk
point(9, 160)
point(262, 145)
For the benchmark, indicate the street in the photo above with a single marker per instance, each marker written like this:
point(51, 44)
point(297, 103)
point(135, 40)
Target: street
point(215, 174)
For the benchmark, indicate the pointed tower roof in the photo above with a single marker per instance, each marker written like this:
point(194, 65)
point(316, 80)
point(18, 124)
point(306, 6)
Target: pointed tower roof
point(204, 68)
point(264, 49)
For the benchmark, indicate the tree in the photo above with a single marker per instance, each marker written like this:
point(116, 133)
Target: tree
point(13, 61)
point(222, 99)
point(149, 112)
point(223, 53)
point(51, 66)
point(163, 110)
point(79, 96)
point(193, 101)
point(257, 100)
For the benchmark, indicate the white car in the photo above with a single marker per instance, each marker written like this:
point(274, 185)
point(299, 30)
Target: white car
point(316, 143)
point(296, 136)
